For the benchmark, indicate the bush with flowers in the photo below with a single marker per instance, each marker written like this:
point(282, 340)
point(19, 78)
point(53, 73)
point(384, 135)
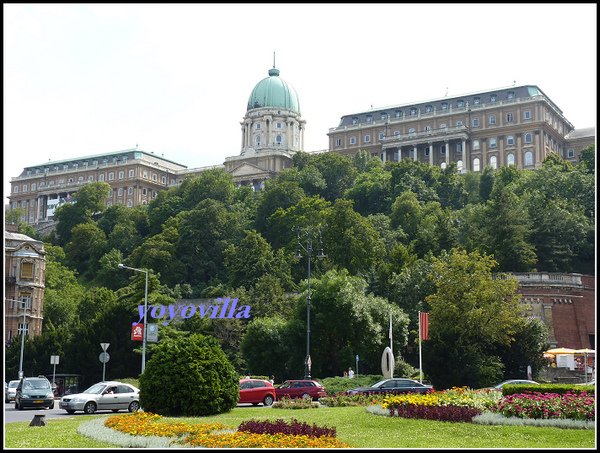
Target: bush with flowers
point(575, 406)
point(455, 404)
point(216, 435)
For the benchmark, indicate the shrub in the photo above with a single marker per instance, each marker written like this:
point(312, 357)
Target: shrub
point(279, 426)
point(338, 384)
point(405, 369)
point(560, 389)
point(189, 376)
point(295, 403)
point(343, 400)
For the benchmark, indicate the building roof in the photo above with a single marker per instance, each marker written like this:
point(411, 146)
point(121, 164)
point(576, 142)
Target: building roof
point(456, 103)
point(273, 91)
point(583, 132)
point(18, 237)
point(98, 156)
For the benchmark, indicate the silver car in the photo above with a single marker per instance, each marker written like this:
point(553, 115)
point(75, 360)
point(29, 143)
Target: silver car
point(108, 395)
point(11, 391)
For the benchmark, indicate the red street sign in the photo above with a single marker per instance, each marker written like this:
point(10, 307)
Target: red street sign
point(137, 331)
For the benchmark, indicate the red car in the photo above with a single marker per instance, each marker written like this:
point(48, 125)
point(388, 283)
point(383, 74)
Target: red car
point(301, 388)
point(256, 391)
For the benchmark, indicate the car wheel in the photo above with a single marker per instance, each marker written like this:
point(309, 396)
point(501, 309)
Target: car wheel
point(306, 397)
point(268, 400)
point(134, 406)
point(89, 407)
point(70, 412)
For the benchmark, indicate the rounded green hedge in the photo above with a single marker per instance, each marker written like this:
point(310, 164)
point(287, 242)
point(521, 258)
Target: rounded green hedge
point(189, 376)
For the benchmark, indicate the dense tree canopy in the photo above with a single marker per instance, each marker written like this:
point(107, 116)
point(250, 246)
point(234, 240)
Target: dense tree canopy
point(400, 236)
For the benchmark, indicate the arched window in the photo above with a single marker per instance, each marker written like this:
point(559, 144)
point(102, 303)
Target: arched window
point(476, 165)
point(411, 131)
point(258, 140)
point(494, 162)
point(528, 158)
point(510, 159)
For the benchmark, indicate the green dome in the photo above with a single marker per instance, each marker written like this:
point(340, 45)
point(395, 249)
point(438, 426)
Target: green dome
point(274, 92)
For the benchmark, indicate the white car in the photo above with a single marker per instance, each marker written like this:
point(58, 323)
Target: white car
point(11, 391)
point(108, 395)
point(513, 381)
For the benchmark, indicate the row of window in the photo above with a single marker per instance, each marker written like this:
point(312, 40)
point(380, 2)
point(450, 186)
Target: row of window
point(101, 178)
point(277, 125)
point(414, 111)
point(130, 190)
point(75, 165)
point(493, 160)
point(278, 139)
point(493, 142)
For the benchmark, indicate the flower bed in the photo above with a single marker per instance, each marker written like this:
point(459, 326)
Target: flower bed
point(547, 405)
point(456, 404)
point(212, 435)
point(280, 426)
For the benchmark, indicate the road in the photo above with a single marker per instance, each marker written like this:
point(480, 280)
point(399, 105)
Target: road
point(14, 415)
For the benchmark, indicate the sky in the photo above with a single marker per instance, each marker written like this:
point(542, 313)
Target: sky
point(174, 79)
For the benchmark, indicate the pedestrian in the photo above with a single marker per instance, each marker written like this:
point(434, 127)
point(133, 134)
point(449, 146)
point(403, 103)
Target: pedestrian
point(350, 373)
point(272, 379)
point(345, 373)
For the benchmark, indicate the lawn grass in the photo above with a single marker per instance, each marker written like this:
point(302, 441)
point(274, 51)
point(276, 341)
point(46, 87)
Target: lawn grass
point(58, 433)
point(354, 426)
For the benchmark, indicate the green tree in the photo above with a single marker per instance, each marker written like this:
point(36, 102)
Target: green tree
point(338, 172)
point(276, 194)
point(345, 321)
point(472, 314)
point(350, 240)
point(88, 243)
point(508, 231)
point(265, 347)
point(371, 191)
point(249, 261)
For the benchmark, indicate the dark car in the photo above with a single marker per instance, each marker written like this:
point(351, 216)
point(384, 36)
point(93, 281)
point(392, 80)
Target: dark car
point(301, 388)
point(256, 391)
point(512, 382)
point(394, 385)
point(34, 392)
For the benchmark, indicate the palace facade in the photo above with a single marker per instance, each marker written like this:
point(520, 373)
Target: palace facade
point(511, 126)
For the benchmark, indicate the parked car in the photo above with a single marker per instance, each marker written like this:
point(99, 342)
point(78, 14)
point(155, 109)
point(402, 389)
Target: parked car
point(394, 385)
point(301, 388)
point(34, 392)
point(109, 395)
point(588, 383)
point(257, 391)
point(11, 391)
point(513, 381)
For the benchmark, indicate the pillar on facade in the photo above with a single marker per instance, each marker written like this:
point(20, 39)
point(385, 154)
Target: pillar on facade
point(415, 158)
point(431, 154)
point(464, 155)
point(448, 159)
point(383, 156)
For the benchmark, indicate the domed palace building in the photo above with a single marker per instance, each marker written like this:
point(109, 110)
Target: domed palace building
point(272, 131)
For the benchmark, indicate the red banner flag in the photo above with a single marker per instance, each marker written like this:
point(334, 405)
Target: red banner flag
point(424, 323)
point(137, 331)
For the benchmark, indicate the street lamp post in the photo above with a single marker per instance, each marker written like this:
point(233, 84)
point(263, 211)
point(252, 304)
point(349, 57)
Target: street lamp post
point(320, 255)
point(122, 266)
point(22, 339)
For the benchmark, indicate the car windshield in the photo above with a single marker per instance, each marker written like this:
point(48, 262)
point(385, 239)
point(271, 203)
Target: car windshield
point(13, 384)
point(96, 388)
point(285, 385)
point(37, 384)
point(380, 383)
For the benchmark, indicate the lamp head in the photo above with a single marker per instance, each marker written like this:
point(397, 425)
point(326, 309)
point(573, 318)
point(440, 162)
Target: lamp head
point(120, 266)
point(321, 255)
point(298, 255)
